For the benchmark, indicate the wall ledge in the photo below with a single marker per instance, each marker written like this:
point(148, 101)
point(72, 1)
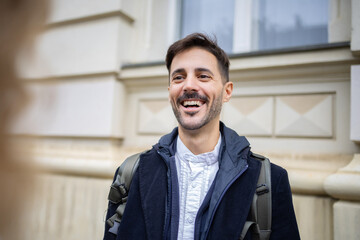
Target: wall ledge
point(345, 183)
point(307, 172)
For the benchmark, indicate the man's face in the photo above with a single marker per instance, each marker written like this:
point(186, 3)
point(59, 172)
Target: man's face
point(196, 90)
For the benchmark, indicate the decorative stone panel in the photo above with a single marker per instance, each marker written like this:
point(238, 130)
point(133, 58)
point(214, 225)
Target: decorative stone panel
point(308, 115)
point(250, 116)
point(155, 117)
point(300, 115)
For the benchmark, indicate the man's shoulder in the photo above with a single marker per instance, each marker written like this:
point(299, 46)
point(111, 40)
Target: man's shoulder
point(148, 154)
point(279, 175)
point(278, 169)
point(275, 169)
point(150, 158)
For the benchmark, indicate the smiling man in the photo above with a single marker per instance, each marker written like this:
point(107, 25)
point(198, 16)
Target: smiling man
point(197, 92)
point(198, 182)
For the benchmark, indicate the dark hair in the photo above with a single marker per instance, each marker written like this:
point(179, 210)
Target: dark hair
point(202, 41)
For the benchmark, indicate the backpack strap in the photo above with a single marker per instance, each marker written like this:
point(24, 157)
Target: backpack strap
point(260, 211)
point(120, 188)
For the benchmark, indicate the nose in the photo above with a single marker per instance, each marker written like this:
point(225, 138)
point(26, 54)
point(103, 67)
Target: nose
point(191, 84)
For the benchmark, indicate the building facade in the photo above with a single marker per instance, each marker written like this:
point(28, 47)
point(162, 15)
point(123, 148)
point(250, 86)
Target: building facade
point(99, 93)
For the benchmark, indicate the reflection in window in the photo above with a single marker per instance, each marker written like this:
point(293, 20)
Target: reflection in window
point(284, 23)
point(213, 17)
point(251, 25)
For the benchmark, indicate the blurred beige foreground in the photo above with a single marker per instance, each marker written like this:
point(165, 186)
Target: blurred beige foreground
point(94, 103)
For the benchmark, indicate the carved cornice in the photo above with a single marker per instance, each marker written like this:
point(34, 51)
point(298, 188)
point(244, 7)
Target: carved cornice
point(324, 65)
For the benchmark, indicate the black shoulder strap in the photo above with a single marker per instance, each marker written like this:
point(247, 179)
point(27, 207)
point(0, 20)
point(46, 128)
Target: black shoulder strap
point(260, 212)
point(119, 189)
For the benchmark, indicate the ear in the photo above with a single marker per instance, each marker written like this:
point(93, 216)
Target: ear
point(228, 89)
point(169, 93)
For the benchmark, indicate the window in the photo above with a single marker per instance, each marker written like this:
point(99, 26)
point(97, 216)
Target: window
point(251, 25)
point(213, 17)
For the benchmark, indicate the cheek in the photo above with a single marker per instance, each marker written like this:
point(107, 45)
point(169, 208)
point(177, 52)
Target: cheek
point(213, 92)
point(174, 90)
point(172, 95)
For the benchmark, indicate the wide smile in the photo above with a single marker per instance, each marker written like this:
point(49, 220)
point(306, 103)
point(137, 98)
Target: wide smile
point(192, 105)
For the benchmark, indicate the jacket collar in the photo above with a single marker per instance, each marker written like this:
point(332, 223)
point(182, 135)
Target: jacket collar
point(231, 142)
point(233, 155)
point(167, 144)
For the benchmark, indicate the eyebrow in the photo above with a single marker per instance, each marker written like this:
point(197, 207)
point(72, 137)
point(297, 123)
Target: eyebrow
point(181, 70)
point(204, 70)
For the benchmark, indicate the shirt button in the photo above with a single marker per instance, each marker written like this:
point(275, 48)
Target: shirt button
point(193, 185)
point(190, 220)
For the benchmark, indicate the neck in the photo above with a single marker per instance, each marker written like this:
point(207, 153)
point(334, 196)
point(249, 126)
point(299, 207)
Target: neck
point(201, 140)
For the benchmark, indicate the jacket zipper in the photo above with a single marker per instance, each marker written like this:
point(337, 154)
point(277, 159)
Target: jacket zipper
point(222, 195)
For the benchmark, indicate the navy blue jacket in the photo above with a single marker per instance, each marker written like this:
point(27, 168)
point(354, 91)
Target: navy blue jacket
point(152, 210)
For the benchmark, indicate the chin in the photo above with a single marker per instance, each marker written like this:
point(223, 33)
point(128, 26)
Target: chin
point(192, 125)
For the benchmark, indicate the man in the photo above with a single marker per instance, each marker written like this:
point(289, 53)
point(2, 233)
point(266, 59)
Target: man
point(198, 182)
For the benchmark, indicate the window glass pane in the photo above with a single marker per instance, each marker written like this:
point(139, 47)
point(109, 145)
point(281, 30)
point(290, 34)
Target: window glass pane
point(251, 25)
point(212, 17)
point(289, 23)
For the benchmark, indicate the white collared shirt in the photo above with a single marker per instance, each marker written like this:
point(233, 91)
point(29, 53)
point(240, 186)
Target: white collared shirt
point(195, 176)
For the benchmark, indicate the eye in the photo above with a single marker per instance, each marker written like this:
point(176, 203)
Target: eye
point(204, 76)
point(178, 78)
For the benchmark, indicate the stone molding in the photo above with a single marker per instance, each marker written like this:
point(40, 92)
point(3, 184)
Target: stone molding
point(307, 173)
point(97, 157)
point(323, 66)
point(345, 183)
point(67, 12)
point(116, 13)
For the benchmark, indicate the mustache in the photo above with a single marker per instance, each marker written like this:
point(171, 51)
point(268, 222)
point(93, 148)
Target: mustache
point(191, 95)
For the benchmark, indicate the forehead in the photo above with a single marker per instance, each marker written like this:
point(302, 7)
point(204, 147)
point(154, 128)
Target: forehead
point(194, 58)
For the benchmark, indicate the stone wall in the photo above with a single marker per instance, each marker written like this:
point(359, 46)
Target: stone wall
point(99, 90)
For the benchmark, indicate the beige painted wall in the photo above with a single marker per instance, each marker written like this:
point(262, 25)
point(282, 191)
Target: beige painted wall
point(89, 113)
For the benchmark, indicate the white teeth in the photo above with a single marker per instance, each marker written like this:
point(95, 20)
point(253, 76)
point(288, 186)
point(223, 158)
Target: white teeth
point(192, 103)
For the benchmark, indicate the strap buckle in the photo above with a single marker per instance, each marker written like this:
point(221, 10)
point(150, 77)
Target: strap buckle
point(262, 189)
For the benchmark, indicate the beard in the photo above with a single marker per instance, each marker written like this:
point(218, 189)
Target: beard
point(212, 111)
